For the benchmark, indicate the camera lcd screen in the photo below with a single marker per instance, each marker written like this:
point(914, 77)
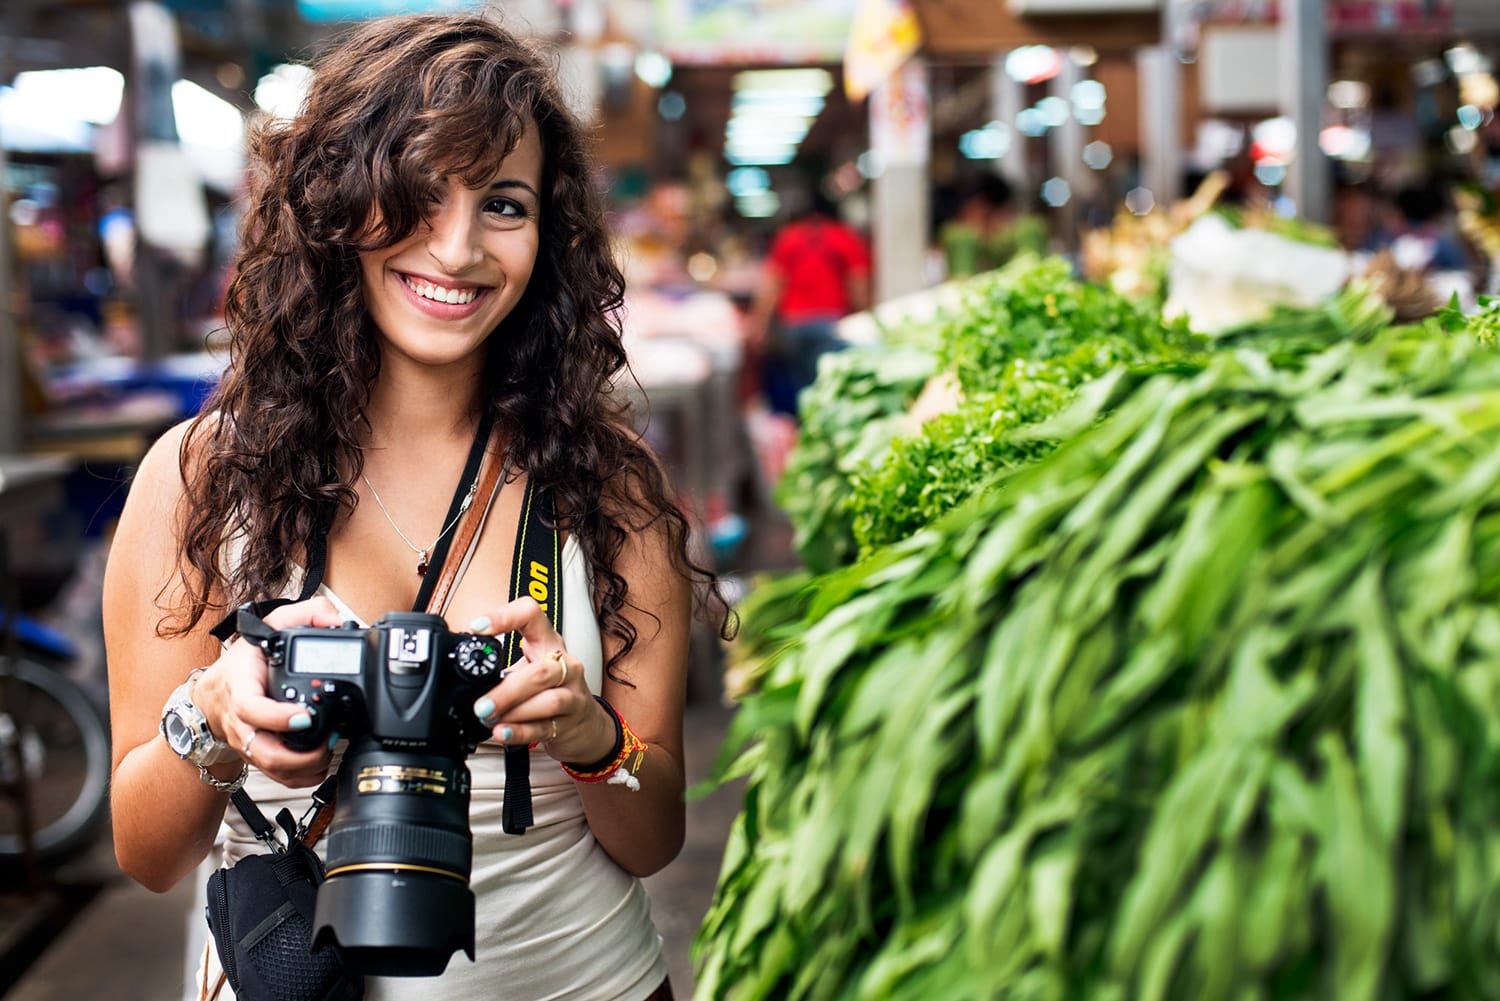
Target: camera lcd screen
point(326, 655)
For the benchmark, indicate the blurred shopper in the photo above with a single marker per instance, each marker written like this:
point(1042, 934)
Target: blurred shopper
point(655, 236)
point(816, 272)
point(986, 231)
point(424, 257)
point(1361, 218)
point(1425, 239)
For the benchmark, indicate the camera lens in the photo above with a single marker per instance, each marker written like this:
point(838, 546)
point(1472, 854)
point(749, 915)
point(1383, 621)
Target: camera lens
point(397, 898)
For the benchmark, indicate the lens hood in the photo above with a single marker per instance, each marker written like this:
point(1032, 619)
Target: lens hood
point(395, 923)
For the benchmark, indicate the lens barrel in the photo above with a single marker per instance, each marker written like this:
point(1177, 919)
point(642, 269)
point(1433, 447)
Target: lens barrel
point(397, 898)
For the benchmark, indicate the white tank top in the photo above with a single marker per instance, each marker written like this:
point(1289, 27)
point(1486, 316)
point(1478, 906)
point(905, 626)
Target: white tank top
point(556, 919)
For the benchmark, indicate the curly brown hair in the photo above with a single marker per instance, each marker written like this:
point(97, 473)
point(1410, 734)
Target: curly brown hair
point(397, 106)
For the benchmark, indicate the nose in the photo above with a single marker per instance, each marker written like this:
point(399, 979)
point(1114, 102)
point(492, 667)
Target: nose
point(452, 238)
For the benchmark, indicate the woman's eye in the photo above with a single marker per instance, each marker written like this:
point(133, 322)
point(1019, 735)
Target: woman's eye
point(507, 207)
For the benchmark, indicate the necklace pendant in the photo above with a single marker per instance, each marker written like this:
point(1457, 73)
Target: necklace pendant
point(422, 564)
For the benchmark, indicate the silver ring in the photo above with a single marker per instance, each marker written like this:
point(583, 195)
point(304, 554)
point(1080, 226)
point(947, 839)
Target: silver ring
point(558, 656)
point(554, 728)
point(245, 751)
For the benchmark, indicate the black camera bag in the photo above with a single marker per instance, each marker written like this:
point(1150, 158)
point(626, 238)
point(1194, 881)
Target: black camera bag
point(260, 911)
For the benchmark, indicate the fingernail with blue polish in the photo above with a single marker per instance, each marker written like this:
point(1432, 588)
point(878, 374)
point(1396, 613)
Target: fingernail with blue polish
point(506, 733)
point(301, 721)
point(480, 624)
point(484, 709)
point(333, 738)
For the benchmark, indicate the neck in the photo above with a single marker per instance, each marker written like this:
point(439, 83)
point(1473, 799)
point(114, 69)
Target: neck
point(423, 407)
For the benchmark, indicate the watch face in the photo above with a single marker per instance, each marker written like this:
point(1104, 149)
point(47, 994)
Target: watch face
point(179, 735)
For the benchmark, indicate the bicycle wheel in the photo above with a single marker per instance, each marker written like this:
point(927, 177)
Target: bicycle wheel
point(58, 736)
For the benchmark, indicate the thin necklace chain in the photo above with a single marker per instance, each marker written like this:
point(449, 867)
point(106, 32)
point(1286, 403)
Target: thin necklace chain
point(423, 555)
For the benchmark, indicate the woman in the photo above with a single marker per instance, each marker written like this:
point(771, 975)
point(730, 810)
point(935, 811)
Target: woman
point(423, 248)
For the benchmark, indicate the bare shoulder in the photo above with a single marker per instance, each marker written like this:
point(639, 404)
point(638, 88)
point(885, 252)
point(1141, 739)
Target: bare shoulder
point(178, 453)
point(653, 554)
point(143, 553)
point(636, 493)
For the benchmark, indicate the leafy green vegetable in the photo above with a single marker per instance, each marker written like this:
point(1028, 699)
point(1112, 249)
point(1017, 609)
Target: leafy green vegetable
point(849, 416)
point(1484, 323)
point(1203, 703)
point(1033, 336)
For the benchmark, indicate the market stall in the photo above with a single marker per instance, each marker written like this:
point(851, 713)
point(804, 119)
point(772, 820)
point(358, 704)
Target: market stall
point(1159, 663)
point(684, 364)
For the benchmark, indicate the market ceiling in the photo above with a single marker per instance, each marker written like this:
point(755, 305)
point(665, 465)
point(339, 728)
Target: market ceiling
point(36, 34)
point(215, 35)
point(227, 44)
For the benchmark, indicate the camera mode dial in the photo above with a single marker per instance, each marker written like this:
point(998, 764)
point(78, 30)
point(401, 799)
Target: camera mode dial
point(477, 658)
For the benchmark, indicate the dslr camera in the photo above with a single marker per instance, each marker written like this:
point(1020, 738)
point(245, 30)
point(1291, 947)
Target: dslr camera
point(396, 900)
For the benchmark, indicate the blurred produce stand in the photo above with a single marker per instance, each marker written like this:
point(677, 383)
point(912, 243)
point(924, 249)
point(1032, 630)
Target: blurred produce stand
point(1159, 663)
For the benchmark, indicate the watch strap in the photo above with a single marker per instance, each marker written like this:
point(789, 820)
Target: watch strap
point(208, 749)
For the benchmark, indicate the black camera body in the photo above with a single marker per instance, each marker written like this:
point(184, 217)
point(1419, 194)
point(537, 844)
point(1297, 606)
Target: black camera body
point(407, 681)
point(396, 899)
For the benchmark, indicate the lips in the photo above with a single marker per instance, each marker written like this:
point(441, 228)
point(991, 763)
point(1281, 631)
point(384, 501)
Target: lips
point(433, 292)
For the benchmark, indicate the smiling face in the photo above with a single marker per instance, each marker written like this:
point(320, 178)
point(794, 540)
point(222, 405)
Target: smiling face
point(438, 293)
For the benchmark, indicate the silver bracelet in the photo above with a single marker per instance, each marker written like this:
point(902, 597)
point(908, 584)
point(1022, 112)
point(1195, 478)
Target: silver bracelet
point(209, 779)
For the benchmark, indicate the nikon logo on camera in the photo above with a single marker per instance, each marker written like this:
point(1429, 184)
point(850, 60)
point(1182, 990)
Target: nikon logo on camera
point(539, 588)
point(401, 779)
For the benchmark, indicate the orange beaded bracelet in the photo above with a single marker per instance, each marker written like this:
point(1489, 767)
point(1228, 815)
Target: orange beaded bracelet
point(613, 768)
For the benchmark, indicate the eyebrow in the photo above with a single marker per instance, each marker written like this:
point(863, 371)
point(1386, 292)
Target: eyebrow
point(498, 185)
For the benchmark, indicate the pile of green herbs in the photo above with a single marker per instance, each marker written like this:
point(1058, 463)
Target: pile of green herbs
point(849, 417)
point(1018, 344)
point(1203, 703)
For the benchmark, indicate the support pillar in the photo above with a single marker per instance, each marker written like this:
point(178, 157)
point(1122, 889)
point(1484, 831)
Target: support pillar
point(1065, 153)
point(1304, 60)
point(11, 411)
point(1007, 99)
point(1161, 122)
point(901, 139)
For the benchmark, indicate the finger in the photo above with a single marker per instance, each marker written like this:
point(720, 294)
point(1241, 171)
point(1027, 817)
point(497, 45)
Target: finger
point(266, 749)
point(288, 773)
point(278, 717)
point(252, 704)
point(578, 731)
point(518, 732)
point(523, 616)
point(548, 686)
point(316, 611)
point(534, 724)
point(556, 668)
point(521, 698)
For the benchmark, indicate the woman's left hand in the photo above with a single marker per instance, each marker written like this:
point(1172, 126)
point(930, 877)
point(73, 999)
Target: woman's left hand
point(544, 698)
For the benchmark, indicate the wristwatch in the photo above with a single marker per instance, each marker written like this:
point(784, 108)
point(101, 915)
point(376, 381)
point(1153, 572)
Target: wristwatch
point(187, 733)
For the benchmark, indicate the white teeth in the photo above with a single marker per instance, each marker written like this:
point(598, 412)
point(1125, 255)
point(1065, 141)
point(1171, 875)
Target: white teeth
point(452, 296)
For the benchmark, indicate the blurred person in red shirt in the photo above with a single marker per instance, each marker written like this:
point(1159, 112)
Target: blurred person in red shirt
point(817, 272)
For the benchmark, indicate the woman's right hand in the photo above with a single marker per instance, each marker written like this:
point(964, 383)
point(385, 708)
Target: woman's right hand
point(233, 697)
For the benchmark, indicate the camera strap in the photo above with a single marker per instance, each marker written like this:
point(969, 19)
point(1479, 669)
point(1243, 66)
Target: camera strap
point(317, 545)
point(536, 571)
point(439, 566)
